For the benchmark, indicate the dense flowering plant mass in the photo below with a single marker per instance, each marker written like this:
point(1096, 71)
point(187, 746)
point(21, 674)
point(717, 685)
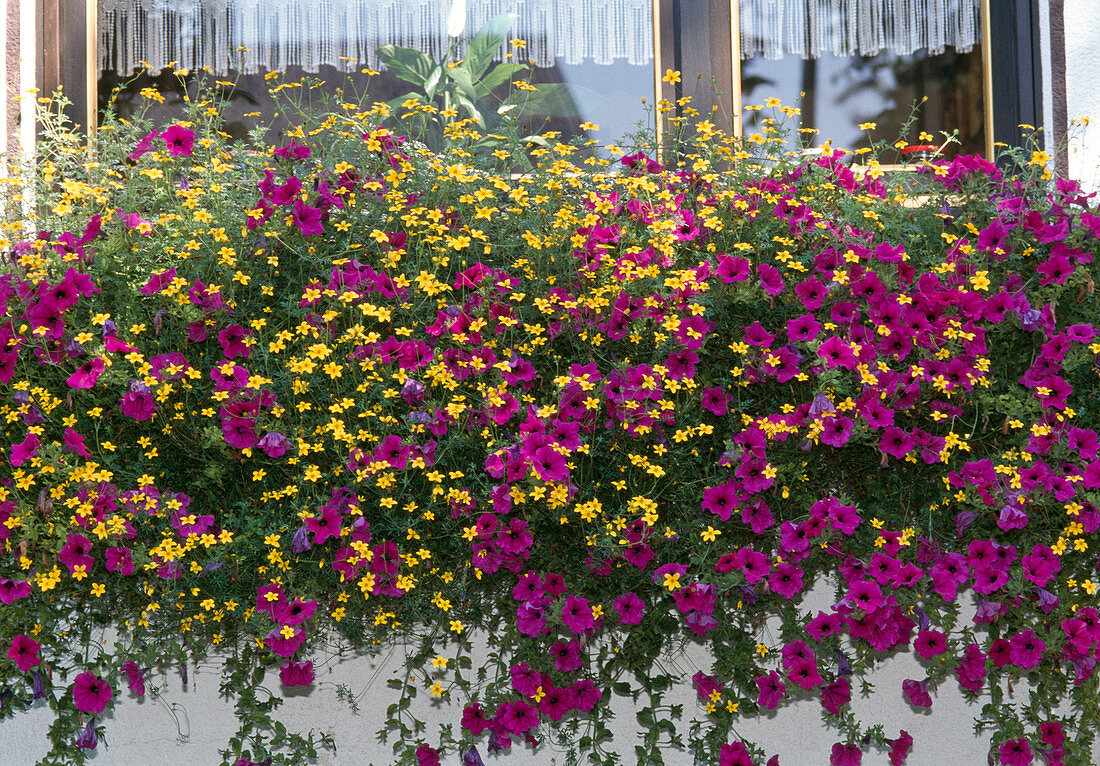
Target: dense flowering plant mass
point(349, 390)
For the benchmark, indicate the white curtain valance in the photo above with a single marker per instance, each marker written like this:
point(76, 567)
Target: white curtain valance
point(192, 34)
point(808, 28)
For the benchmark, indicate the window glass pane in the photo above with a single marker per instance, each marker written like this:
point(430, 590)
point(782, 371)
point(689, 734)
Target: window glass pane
point(598, 54)
point(837, 94)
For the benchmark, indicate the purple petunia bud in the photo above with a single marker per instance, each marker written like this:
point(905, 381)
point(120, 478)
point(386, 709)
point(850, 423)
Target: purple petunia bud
point(963, 520)
point(472, 758)
point(300, 543)
point(843, 667)
point(412, 391)
point(38, 685)
point(820, 404)
point(87, 739)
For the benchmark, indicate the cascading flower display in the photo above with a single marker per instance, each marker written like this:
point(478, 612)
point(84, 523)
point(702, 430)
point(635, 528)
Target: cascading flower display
point(346, 391)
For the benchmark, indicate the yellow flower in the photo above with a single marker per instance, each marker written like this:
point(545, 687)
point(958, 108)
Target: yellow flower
point(436, 689)
point(457, 626)
point(671, 76)
point(710, 534)
point(672, 580)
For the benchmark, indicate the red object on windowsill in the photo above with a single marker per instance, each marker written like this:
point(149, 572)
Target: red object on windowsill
point(920, 152)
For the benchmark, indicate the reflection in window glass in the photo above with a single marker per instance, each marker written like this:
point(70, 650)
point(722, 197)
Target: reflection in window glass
point(837, 94)
point(599, 53)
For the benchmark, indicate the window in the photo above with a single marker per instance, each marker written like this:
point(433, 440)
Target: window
point(877, 70)
point(735, 44)
point(597, 54)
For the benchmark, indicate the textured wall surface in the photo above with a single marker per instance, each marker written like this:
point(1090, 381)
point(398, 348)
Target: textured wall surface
point(1082, 25)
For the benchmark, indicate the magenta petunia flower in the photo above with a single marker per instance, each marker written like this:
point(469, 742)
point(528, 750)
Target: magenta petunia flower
point(24, 652)
point(295, 613)
point(278, 641)
point(971, 670)
point(734, 754)
point(307, 219)
point(292, 151)
point(232, 342)
point(87, 374)
point(720, 500)
point(585, 695)
point(732, 268)
point(76, 552)
point(240, 433)
point(899, 748)
point(916, 692)
point(865, 595)
point(137, 403)
point(158, 282)
point(1016, 752)
point(296, 673)
point(24, 451)
point(630, 608)
point(135, 221)
point(837, 353)
point(823, 625)
point(576, 613)
point(179, 141)
point(836, 695)
point(836, 431)
point(144, 146)
point(1057, 268)
point(74, 442)
point(426, 755)
point(326, 525)
point(845, 755)
point(119, 559)
point(1026, 649)
point(786, 580)
point(549, 464)
point(555, 703)
point(517, 717)
point(392, 451)
point(896, 442)
point(91, 693)
point(771, 689)
point(804, 673)
point(135, 677)
point(930, 643)
point(715, 400)
point(13, 590)
point(770, 279)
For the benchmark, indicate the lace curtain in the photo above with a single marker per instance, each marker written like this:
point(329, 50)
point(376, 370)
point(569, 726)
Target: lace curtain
point(191, 34)
point(808, 28)
point(344, 34)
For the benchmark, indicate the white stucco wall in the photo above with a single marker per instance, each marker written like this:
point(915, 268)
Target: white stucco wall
point(1083, 89)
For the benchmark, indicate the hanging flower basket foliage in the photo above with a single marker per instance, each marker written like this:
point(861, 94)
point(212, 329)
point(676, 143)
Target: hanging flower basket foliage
point(272, 403)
